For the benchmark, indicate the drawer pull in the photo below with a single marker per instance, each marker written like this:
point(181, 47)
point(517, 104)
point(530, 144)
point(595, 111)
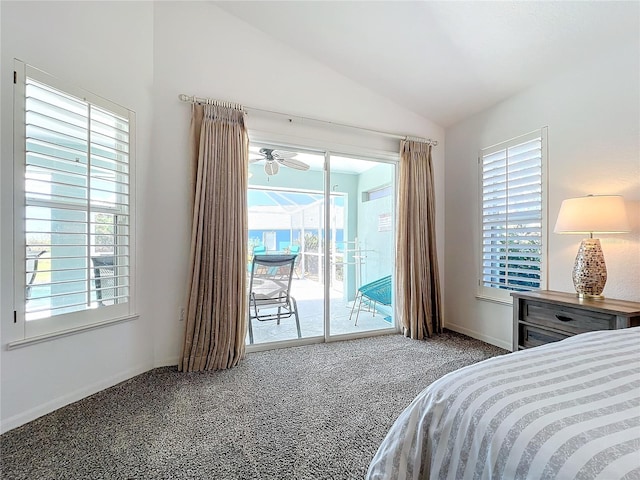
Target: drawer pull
point(563, 318)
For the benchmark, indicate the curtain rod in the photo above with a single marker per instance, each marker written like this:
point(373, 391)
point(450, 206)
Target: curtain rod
point(248, 110)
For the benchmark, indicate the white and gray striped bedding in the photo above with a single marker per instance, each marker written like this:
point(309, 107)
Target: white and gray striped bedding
point(566, 410)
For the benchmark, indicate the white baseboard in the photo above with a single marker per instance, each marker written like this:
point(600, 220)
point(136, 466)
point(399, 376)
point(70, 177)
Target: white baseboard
point(167, 362)
point(479, 336)
point(48, 407)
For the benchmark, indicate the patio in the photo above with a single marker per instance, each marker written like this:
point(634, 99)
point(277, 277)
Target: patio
point(309, 296)
point(288, 212)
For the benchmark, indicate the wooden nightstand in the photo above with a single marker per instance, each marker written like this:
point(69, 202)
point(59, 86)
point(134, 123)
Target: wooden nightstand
point(545, 316)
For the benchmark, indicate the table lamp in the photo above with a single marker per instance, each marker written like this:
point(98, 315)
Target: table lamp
point(591, 214)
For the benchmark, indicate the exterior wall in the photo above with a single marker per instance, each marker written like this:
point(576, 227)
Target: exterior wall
point(379, 245)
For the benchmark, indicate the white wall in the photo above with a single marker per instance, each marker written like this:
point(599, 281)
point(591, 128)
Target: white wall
point(143, 55)
point(202, 50)
point(593, 115)
point(106, 48)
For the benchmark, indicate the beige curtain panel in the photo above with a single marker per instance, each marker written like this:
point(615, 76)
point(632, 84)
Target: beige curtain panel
point(417, 280)
point(216, 312)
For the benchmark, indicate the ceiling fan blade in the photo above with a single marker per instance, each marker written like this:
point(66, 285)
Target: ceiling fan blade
point(271, 168)
point(293, 163)
point(283, 154)
point(255, 159)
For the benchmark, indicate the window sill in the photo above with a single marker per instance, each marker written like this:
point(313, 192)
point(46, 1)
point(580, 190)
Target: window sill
point(500, 301)
point(65, 333)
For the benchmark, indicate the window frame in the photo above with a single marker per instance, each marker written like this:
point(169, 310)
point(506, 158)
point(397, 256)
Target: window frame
point(62, 324)
point(503, 295)
point(382, 191)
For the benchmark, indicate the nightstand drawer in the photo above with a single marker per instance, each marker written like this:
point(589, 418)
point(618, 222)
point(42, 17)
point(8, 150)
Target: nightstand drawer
point(544, 316)
point(567, 319)
point(532, 336)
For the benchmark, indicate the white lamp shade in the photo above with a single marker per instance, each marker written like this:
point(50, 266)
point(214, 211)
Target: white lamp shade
point(593, 214)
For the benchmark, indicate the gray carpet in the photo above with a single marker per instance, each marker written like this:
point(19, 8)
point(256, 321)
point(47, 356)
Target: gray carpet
point(313, 412)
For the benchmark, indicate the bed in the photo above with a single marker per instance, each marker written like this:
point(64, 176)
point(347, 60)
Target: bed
point(565, 410)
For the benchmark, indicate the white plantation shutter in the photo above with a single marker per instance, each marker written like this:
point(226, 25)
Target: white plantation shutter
point(512, 205)
point(75, 213)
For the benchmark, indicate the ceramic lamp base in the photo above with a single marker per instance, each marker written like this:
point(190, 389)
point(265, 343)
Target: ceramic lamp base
point(590, 271)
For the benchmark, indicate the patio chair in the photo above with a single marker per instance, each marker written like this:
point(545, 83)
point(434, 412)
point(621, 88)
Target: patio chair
point(270, 293)
point(104, 278)
point(371, 294)
point(32, 269)
point(295, 249)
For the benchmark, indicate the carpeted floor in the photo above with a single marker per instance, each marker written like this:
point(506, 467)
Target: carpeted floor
point(313, 412)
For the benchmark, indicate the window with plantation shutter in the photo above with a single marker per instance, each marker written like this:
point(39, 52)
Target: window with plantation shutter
point(74, 206)
point(513, 223)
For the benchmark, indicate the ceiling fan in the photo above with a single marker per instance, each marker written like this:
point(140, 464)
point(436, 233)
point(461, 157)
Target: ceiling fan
point(275, 158)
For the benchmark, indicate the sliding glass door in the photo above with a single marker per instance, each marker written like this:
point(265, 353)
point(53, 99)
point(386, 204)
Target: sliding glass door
point(362, 248)
point(332, 216)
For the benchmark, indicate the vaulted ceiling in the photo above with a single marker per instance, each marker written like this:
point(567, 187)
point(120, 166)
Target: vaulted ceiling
point(446, 60)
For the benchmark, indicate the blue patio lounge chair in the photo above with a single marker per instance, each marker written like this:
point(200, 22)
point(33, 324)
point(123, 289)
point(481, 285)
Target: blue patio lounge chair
point(295, 249)
point(371, 294)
